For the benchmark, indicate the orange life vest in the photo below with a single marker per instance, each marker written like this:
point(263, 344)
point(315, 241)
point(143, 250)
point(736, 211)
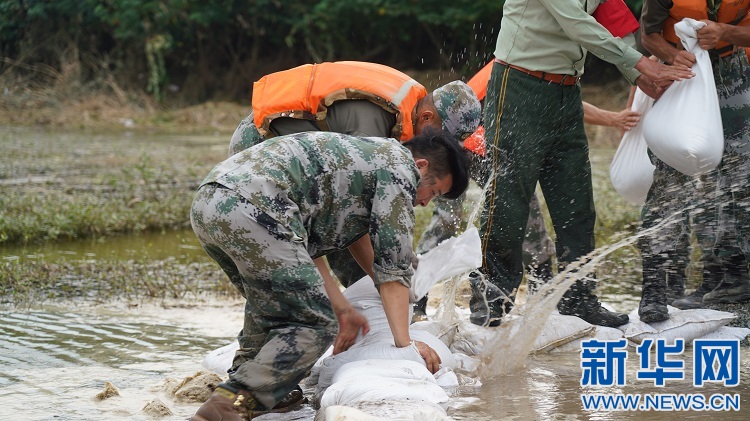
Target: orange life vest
point(734, 12)
point(307, 91)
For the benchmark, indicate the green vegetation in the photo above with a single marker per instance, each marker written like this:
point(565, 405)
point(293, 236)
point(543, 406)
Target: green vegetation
point(183, 52)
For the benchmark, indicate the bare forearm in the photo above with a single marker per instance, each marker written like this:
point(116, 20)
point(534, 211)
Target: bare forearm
point(338, 301)
point(597, 116)
point(658, 46)
point(363, 253)
point(395, 297)
point(736, 35)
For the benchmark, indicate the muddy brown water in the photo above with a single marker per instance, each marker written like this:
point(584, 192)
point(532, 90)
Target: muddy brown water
point(55, 357)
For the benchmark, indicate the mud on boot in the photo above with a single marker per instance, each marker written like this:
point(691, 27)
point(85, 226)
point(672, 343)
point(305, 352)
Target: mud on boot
point(228, 403)
point(653, 305)
point(690, 301)
point(712, 277)
point(579, 301)
point(488, 303)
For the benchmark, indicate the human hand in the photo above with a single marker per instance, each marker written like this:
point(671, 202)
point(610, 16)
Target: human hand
point(684, 58)
point(626, 119)
point(350, 322)
point(650, 87)
point(661, 74)
point(710, 35)
point(429, 355)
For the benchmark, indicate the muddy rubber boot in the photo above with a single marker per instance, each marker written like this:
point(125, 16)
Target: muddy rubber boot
point(734, 288)
point(488, 303)
point(580, 301)
point(228, 403)
point(653, 305)
point(712, 277)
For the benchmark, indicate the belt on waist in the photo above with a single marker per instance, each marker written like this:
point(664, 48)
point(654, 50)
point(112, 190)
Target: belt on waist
point(565, 80)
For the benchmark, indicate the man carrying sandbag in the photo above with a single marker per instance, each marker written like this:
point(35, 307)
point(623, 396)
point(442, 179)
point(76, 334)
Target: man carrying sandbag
point(269, 214)
point(722, 196)
point(534, 129)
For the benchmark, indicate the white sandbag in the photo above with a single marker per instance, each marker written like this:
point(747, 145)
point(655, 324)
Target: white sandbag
point(728, 332)
point(446, 333)
point(451, 257)
point(631, 171)
point(363, 296)
point(379, 346)
point(601, 333)
point(684, 127)
point(684, 324)
point(466, 364)
point(384, 411)
point(393, 380)
point(220, 360)
point(446, 378)
point(347, 413)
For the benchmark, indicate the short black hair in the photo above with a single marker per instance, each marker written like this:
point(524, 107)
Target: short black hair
point(446, 155)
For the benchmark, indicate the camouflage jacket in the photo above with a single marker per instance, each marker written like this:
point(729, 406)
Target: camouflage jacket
point(330, 189)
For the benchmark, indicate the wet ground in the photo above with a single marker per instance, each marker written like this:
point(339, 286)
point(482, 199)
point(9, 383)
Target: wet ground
point(57, 356)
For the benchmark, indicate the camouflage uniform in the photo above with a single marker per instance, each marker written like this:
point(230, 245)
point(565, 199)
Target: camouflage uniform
point(718, 200)
point(265, 213)
point(245, 136)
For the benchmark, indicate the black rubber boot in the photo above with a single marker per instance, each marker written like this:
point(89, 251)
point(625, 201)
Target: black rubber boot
point(653, 305)
point(734, 287)
point(580, 301)
point(488, 303)
point(712, 277)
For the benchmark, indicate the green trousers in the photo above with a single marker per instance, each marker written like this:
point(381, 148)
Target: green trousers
point(535, 133)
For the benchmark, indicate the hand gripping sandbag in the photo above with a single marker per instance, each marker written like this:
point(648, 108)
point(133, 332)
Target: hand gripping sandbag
point(631, 171)
point(683, 128)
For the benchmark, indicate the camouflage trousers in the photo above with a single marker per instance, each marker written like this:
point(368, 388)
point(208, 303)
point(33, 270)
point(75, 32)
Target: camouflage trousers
point(718, 203)
point(246, 135)
point(289, 322)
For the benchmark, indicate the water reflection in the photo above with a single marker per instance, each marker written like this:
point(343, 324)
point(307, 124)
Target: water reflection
point(180, 244)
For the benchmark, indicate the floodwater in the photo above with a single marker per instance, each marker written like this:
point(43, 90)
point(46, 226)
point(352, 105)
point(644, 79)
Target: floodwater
point(54, 360)
point(55, 357)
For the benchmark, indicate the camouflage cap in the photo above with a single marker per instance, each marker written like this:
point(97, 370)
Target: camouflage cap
point(458, 108)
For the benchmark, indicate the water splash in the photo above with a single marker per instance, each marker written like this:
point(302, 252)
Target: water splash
point(506, 352)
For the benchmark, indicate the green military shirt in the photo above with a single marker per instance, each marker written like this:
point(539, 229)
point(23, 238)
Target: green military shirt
point(553, 36)
point(330, 189)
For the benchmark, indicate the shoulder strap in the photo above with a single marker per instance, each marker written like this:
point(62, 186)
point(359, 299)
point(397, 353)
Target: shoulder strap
point(712, 7)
